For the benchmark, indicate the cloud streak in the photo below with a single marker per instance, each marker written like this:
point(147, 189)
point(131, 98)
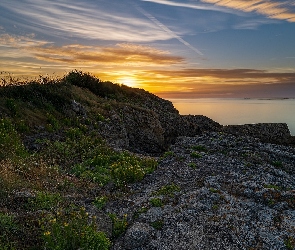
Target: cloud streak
point(281, 10)
point(82, 20)
point(77, 54)
point(167, 30)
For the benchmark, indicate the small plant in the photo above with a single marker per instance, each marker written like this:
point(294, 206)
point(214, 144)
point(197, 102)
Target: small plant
point(74, 133)
point(168, 190)
point(45, 201)
point(119, 225)
point(99, 117)
point(156, 202)
point(200, 148)
point(275, 187)
point(7, 228)
point(11, 105)
point(158, 224)
point(139, 212)
point(196, 155)
point(213, 190)
point(290, 243)
point(168, 153)
point(72, 230)
point(52, 122)
point(100, 202)
point(10, 141)
point(192, 165)
point(277, 164)
point(215, 207)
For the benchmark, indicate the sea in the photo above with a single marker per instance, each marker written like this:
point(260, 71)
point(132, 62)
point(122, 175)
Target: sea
point(240, 111)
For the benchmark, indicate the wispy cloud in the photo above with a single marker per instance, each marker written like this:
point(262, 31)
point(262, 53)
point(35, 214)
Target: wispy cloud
point(198, 6)
point(169, 31)
point(282, 10)
point(83, 20)
point(76, 54)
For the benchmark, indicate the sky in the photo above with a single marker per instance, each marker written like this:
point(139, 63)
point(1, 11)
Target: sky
point(172, 48)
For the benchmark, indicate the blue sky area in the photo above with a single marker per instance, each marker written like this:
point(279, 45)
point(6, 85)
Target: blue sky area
point(176, 49)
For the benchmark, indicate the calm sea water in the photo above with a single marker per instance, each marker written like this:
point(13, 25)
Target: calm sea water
point(240, 111)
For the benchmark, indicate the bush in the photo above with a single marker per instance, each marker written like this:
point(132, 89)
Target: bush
point(68, 231)
point(10, 142)
point(119, 225)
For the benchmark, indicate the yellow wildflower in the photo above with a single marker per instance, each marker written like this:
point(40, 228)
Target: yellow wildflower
point(66, 224)
point(47, 233)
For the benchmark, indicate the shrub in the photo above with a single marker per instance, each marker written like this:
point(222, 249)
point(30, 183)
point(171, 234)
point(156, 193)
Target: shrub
point(119, 225)
point(10, 142)
point(7, 228)
point(72, 230)
point(45, 201)
point(100, 202)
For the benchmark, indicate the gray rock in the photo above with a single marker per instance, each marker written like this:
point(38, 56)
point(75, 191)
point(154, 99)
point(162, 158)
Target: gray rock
point(137, 235)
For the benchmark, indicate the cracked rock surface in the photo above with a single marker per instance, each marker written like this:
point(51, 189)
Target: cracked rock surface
point(214, 191)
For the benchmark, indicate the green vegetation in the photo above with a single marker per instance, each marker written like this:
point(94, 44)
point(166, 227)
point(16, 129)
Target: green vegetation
point(277, 164)
point(290, 243)
point(275, 187)
point(100, 202)
point(45, 201)
point(139, 212)
point(119, 225)
point(196, 155)
point(156, 202)
point(168, 153)
point(71, 230)
point(168, 190)
point(8, 229)
point(213, 190)
point(192, 165)
point(158, 224)
point(52, 155)
point(200, 148)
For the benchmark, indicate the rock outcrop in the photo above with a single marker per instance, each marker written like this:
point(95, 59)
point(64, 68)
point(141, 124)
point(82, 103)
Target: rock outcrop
point(267, 132)
point(216, 191)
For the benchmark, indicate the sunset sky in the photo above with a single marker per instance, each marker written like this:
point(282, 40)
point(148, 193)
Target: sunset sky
point(175, 49)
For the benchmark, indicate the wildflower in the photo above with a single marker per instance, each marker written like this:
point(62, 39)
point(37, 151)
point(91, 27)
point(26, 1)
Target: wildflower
point(53, 221)
point(66, 224)
point(47, 233)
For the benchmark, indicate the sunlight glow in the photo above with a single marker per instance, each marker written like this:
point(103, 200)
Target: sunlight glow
point(129, 81)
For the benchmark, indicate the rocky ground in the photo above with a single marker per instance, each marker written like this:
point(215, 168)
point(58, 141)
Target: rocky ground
point(213, 191)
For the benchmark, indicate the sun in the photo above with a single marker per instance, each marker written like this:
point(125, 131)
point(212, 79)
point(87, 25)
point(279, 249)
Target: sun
point(129, 81)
